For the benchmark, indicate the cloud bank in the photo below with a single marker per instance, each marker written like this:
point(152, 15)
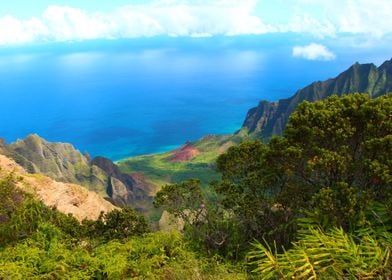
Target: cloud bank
point(200, 18)
point(333, 17)
point(61, 23)
point(313, 52)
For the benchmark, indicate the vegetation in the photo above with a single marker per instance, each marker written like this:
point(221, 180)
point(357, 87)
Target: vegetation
point(37, 242)
point(270, 118)
point(334, 254)
point(315, 203)
point(331, 168)
point(160, 169)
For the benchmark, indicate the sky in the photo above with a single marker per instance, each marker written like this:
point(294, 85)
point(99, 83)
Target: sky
point(24, 22)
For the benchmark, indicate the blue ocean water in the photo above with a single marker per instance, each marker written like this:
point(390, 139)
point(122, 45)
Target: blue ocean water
point(132, 97)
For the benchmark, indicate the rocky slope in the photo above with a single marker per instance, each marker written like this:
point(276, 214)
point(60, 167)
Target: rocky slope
point(270, 118)
point(62, 162)
point(67, 198)
point(59, 161)
point(123, 189)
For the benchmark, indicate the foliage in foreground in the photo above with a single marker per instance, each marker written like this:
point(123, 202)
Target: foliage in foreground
point(334, 254)
point(48, 255)
point(37, 242)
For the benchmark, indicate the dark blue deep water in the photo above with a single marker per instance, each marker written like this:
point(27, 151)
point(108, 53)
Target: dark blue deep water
point(132, 97)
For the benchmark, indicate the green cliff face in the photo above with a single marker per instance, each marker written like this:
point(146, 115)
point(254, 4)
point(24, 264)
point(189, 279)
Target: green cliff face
point(62, 162)
point(59, 161)
point(270, 118)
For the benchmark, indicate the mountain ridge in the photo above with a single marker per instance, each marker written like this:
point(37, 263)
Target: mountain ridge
point(66, 197)
point(64, 163)
point(270, 118)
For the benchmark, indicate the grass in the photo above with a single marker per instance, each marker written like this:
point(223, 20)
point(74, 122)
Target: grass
point(160, 170)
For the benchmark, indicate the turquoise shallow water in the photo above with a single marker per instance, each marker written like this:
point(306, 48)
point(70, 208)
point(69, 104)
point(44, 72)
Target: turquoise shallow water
point(132, 97)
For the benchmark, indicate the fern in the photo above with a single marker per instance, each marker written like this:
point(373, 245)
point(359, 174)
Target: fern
point(319, 255)
point(267, 261)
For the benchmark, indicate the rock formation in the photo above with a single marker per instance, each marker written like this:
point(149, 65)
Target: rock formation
point(65, 197)
point(63, 163)
point(270, 118)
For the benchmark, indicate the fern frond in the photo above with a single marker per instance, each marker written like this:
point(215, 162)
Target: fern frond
point(334, 254)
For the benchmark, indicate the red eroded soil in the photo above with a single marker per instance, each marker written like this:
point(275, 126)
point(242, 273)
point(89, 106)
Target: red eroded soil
point(184, 153)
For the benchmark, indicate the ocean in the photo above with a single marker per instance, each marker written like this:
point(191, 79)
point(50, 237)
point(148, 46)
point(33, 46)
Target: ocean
point(131, 97)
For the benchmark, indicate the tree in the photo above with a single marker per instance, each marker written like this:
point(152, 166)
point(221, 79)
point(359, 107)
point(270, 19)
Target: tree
point(184, 200)
point(117, 224)
point(11, 198)
point(343, 147)
point(343, 140)
point(253, 176)
point(332, 164)
point(332, 161)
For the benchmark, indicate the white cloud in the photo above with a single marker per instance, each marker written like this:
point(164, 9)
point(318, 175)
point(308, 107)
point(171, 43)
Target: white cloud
point(365, 16)
point(173, 18)
point(313, 52)
point(331, 17)
point(202, 18)
point(308, 24)
point(14, 31)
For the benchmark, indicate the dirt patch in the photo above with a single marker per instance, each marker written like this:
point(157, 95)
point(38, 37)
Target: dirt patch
point(184, 153)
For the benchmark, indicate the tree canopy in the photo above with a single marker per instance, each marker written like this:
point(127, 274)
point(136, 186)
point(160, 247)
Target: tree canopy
point(332, 166)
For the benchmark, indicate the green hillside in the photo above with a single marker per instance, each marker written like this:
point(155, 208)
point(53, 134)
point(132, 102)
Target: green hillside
point(161, 169)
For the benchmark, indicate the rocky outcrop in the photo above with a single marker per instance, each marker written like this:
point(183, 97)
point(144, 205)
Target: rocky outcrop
point(63, 163)
point(67, 198)
point(112, 170)
point(59, 161)
point(270, 118)
point(168, 222)
point(123, 188)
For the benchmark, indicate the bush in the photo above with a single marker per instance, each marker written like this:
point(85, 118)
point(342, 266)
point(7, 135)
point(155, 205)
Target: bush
point(118, 224)
point(45, 255)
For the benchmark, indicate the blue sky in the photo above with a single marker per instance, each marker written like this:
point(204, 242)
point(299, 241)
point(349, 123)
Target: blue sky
point(42, 21)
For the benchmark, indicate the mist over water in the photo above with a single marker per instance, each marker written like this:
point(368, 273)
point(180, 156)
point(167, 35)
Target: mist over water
point(133, 97)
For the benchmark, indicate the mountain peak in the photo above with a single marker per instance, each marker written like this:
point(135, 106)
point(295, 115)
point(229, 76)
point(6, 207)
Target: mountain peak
point(269, 119)
point(387, 65)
